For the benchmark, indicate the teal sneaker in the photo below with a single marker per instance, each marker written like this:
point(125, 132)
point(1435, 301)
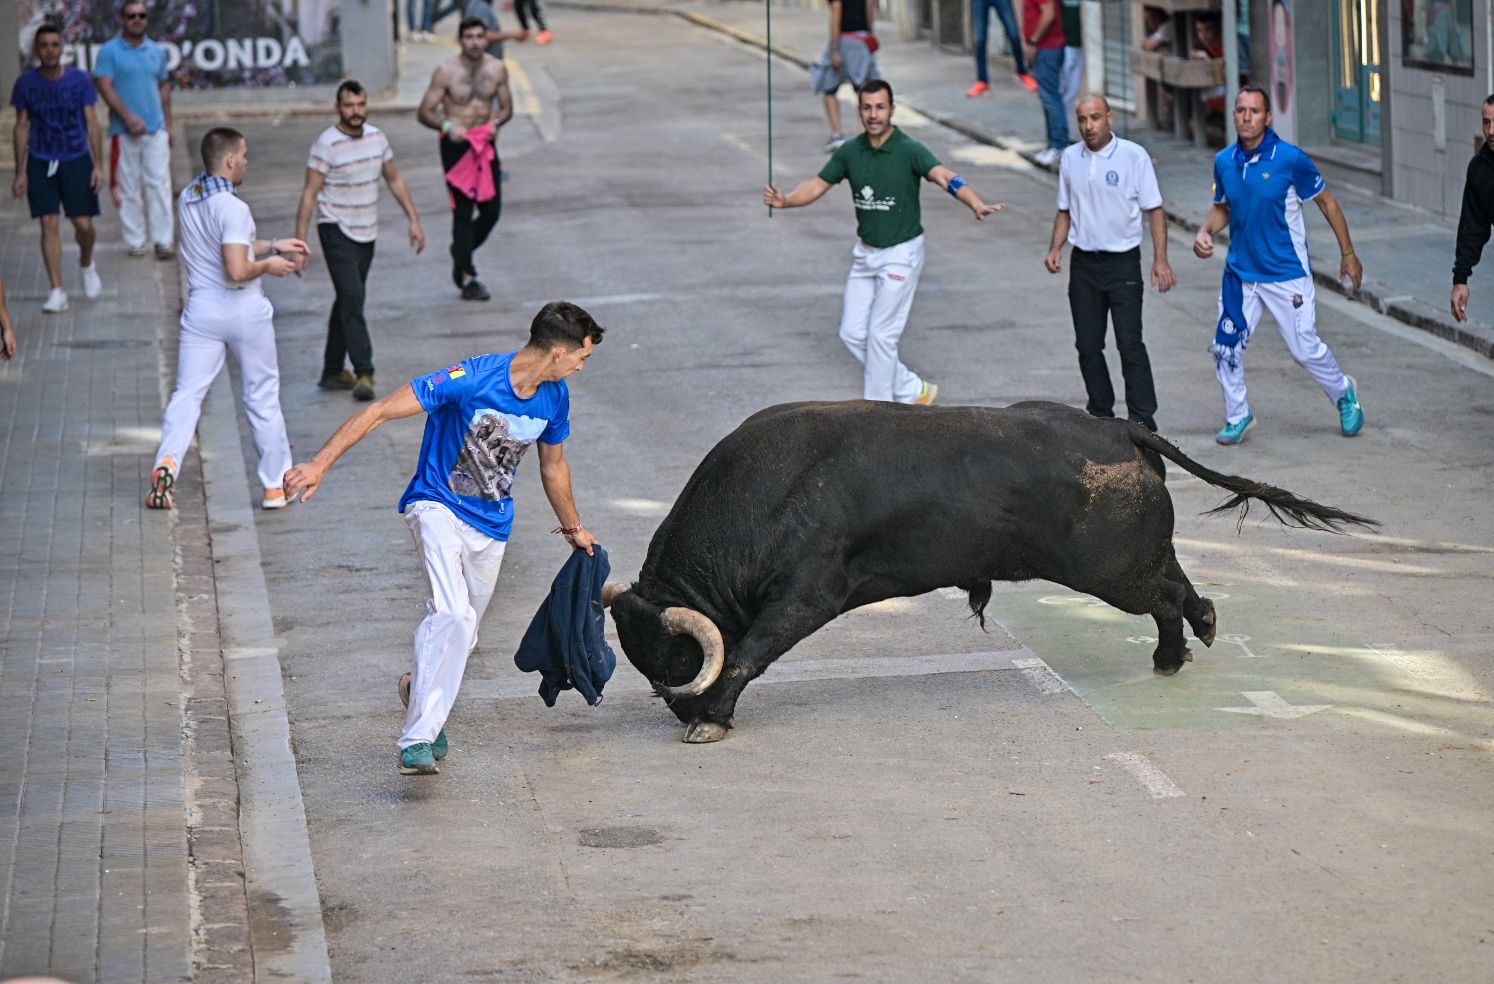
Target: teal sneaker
point(1350, 416)
point(417, 760)
point(438, 747)
point(1235, 433)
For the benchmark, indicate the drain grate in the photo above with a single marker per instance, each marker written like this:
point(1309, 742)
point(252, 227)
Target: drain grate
point(105, 343)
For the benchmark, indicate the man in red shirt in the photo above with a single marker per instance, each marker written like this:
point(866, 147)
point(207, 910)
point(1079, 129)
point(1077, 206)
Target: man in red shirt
point(1043, 38)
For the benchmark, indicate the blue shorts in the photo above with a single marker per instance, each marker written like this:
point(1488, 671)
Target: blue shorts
point(68, 187)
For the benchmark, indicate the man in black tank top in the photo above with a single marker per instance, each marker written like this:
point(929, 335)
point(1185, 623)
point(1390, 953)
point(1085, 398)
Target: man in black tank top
point(850, 56)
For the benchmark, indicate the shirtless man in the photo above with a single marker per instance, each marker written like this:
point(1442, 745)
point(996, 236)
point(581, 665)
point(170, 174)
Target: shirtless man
point(468, 100)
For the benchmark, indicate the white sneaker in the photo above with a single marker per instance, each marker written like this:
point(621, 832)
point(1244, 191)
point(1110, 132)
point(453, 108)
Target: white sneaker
point(834, 143)
point(56, 301)
point(93, 286)
point(140, 250)
point(1048, 156)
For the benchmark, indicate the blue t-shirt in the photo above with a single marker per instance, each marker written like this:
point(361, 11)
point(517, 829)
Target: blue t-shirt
point(475, 436)
point(1265, 189)
point(137, 72)
point(59, 130)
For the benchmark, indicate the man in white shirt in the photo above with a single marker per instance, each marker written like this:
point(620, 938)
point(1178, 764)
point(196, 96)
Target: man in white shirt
point(226, 311)
point(1104, 185)
point(342, 185)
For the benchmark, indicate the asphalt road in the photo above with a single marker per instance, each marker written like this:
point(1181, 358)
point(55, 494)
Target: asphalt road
point(903, 797)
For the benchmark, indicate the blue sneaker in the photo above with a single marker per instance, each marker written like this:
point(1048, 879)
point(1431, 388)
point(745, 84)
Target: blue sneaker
point(438, 747)
point(1350, 416)
point(1235, 433)
point(417, 760)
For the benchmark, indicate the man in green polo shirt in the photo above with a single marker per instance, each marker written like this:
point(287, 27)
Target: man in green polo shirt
point(884, 166)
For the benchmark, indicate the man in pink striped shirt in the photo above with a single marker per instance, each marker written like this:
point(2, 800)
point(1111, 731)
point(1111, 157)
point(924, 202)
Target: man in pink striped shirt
point(343, 172)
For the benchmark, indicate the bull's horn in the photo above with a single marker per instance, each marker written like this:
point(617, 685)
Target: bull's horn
point(610, 591)
point(682, 621)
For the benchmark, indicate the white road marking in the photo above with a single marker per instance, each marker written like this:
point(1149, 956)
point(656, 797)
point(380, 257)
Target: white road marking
point(629, 681)
point(1240, 640)
point(1154, 779)
point(1268, 703)
point(1040, 675)
point(641, 507)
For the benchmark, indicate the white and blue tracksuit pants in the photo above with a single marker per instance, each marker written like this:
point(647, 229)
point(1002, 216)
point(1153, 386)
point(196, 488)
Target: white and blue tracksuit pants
point(874, 312)
point(461, 569)
point(1294, 306)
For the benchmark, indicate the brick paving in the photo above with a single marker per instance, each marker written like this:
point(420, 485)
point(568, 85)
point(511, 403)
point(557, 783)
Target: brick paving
point(95, 867)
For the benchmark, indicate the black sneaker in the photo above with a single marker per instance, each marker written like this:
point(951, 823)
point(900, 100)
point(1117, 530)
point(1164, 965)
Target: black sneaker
point(344, 380)
point(475, 291)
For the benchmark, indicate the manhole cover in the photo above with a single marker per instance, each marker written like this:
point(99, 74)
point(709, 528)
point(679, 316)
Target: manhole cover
point(619, 837)
point(105, 343)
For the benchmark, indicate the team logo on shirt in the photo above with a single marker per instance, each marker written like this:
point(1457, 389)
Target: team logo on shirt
point(868, 201)
point(1112, 179)
point(1296, 300)
point(456, 371)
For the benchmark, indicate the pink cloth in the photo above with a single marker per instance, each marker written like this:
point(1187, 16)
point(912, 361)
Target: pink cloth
point(472, 174)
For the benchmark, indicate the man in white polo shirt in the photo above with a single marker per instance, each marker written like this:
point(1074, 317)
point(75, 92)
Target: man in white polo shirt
point(226, 311)
point(342, 184)
point(1104, 185)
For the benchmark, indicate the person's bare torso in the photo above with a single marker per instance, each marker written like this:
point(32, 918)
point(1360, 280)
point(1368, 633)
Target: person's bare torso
point(469, 91)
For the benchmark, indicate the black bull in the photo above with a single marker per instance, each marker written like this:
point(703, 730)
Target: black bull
point(808, 510)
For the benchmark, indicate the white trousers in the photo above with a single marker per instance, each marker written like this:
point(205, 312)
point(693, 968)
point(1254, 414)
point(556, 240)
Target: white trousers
point(874, 312)
point(1293, 303)
point(461, 569)
point(215, 323)
point(143, 188)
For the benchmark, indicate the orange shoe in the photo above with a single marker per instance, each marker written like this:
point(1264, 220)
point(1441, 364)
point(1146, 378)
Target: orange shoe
point(1029, 82)
point(978, 89)
point(162, 479)
point(927, 395)
point(544, 37)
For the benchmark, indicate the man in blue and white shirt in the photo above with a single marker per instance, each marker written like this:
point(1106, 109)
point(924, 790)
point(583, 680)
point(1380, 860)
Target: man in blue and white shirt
point(483, 414)
point(1260, 184)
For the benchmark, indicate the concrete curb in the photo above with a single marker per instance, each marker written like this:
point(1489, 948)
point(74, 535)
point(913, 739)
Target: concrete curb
point(285, 912)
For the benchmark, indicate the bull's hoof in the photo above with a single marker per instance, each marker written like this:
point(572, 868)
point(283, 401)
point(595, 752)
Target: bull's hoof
point(1168, 669)
point(1206, 624)
point(704, 732)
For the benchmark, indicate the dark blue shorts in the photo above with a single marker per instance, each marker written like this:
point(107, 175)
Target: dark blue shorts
point(67, 188)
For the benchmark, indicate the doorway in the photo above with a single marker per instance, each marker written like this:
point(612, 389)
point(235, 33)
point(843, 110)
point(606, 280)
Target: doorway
point(1358, 74)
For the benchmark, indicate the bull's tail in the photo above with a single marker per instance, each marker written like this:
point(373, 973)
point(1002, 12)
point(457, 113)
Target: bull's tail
point(1290, 509)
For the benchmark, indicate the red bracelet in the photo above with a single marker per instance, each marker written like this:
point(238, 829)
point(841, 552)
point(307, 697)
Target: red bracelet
point(568, 530)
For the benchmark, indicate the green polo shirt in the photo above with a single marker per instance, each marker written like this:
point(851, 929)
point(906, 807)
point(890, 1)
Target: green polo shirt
point(884, 186)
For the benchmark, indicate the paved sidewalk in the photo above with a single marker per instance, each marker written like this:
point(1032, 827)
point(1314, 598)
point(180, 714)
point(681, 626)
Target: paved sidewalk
point(1407, 252)
point(93, 838)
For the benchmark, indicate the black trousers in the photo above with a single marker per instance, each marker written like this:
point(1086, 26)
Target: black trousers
point(529, 8)
point(471, 220)
point(1108, 286)
point(347, 331)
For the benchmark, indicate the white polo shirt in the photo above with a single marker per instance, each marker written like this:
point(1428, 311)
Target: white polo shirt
point(206, 226)
point(1105, 193)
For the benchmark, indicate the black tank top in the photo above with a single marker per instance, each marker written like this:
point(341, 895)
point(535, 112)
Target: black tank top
point(853, 15)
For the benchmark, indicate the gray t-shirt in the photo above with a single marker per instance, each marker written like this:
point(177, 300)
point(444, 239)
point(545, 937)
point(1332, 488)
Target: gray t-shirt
point(483, 11)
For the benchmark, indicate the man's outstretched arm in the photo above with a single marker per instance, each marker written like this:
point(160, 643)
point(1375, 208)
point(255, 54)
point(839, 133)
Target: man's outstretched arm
point(308, 475)
point(807, 193)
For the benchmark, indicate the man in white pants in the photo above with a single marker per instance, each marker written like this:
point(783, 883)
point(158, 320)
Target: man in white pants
point(1260, 185)
point(483, 414)
point(131, 75)
point(885, 167)
point(226, 311)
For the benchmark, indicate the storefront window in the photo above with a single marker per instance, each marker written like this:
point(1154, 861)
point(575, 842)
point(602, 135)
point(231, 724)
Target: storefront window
point(1438, 34)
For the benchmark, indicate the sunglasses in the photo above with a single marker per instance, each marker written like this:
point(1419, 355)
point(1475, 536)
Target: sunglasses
point(137, 15)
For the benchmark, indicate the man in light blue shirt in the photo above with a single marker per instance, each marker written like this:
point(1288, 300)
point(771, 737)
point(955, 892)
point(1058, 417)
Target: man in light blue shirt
point(132, 78)
point(1260, 186)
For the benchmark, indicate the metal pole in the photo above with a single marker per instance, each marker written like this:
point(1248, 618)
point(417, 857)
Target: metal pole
point(1231, 66)
point(768, 9)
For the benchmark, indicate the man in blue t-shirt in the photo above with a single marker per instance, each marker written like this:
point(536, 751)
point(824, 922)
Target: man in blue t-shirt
point(132, 78)
point(483, 414)
point(1260, 184)
point(59, 136)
